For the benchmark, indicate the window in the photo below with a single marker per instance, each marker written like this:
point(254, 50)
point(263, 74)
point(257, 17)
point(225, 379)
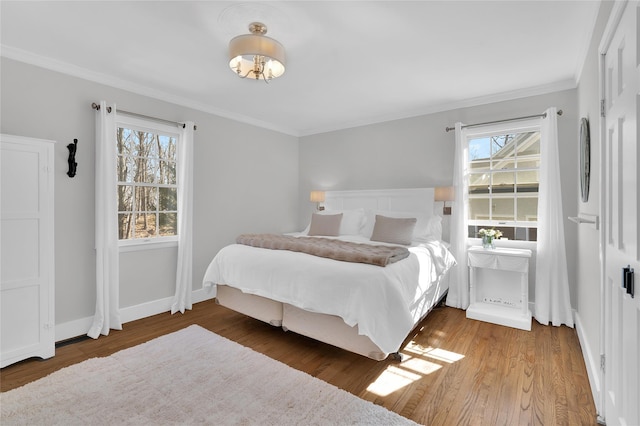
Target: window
point(147, 181)
point(504, 176)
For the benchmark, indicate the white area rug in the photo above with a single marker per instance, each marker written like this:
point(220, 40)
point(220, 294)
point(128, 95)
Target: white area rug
point(187, 377)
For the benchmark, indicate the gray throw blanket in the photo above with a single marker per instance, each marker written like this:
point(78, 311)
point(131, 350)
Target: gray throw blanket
point(379, 255)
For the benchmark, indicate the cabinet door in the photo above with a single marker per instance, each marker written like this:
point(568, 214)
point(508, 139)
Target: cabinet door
point(26, 265)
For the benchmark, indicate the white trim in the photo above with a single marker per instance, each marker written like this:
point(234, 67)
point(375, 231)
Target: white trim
point(605, 41)
point(498, 129)
point(24, 139)
point(591, 361)
point(71, 329)
point(146, 125)
point(97, 77)
point(612, 24)
point(86, 74)
point(79, 327)
point(504, 243)
point(481, 100)
point(138, 244)
point(127, 122)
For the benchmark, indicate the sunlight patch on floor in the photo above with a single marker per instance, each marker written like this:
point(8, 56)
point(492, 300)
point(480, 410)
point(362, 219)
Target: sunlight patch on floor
point(392, 379)
point(435, 353)
point(446, 356)
point(418, 361)
point(420, 366)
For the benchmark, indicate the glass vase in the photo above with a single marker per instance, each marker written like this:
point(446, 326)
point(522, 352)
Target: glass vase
point(487, 242)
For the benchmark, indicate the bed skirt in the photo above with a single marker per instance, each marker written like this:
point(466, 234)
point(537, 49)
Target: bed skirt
point(329, 329)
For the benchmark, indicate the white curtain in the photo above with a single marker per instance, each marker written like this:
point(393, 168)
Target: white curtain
point(458, 296)
point(107, 314)
point(182, 297)
point(552, 283)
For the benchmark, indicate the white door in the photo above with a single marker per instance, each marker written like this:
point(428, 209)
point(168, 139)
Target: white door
point(27, 266)
point(622, 232)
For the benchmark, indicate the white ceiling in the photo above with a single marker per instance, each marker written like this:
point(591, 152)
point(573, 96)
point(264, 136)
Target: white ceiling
point(349, 63)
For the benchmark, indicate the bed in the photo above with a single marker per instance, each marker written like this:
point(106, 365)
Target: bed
point(355, 305)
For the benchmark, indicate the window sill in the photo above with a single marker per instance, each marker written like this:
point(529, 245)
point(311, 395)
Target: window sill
point(531, 245)
point(146, 245)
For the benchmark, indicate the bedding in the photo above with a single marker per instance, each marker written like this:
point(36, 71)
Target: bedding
point(345, 251)
point(363, 308)
point(382, 302)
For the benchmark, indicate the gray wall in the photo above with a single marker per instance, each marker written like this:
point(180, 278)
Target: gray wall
point(418, 152)
point(246, 180)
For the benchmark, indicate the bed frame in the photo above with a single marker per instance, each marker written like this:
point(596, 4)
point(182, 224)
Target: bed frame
point(329, 328)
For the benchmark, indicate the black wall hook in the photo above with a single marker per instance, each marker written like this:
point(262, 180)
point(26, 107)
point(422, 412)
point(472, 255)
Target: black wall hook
point(72, 158)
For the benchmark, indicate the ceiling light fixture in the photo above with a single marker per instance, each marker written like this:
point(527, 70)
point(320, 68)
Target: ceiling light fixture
point(256, 55)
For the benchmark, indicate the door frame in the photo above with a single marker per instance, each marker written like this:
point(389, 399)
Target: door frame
point(605, 42)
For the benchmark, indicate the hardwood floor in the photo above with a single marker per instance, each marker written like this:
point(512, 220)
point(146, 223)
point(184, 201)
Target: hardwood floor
point(456, 371)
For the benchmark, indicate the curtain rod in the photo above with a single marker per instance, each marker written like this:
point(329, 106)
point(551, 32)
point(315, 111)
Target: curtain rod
point(135, 114)
point(543, 115)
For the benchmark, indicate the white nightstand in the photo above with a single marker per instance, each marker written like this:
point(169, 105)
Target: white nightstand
point(499, 286)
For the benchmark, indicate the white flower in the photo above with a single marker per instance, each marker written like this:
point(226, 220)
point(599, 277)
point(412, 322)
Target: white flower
point(493, 233)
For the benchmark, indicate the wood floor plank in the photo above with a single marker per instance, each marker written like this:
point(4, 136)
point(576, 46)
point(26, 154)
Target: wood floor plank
point(457, 371)
point(509, 390)
point(544, 402)
point(526, 377)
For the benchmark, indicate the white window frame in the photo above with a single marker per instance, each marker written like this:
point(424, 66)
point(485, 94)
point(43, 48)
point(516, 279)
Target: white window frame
point(151, 126)
point(523, 126)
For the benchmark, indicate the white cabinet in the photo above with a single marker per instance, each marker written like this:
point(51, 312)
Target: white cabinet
point(499, 286)
point(27, 252)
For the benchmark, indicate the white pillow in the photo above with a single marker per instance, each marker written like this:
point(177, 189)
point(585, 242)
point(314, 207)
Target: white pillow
point(428, 225)
point(352, 221)
point(434, 229)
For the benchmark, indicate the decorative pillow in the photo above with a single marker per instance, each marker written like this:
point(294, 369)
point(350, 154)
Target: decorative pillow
point(351, 224)
point(325, 224)
point(426, 226)
point(393, 230)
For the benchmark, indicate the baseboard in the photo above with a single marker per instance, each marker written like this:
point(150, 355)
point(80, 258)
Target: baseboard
point(591, 361)
point(71, 329)
point(75, 328)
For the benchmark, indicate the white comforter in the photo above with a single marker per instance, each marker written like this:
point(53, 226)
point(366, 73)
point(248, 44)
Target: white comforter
point(382, 301)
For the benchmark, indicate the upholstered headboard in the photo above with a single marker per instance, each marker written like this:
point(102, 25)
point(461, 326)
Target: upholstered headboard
point(414, 199)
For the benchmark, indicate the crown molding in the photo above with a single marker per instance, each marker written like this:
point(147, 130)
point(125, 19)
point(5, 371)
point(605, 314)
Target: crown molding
point(472, 102)
point(101, 78)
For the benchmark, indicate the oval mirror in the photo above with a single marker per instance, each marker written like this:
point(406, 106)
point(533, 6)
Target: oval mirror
point(585, 159)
